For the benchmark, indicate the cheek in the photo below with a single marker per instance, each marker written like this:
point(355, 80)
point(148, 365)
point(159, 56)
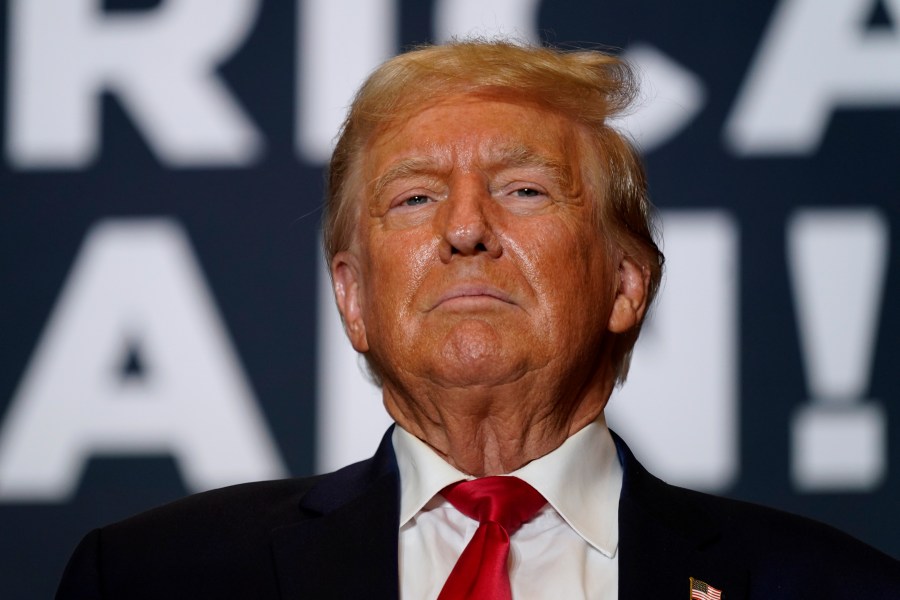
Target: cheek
point(398, 264)
point(574, 279)
point(562, 256)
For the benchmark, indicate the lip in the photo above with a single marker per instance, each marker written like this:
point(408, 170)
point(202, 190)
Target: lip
point(471, 294)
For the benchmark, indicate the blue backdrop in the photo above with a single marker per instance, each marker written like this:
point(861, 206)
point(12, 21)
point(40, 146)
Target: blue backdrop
point(163, 329)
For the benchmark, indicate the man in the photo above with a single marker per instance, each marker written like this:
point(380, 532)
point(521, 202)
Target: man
point(492, 257)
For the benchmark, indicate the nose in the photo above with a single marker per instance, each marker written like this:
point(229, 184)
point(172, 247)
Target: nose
point(467, 224)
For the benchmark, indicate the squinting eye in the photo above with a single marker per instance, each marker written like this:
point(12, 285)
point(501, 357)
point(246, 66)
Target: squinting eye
point(415, 200)
point(527, 192)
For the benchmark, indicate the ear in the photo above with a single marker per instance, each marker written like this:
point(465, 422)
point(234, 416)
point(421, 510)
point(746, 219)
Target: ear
point(631, 297)
point(346, 279)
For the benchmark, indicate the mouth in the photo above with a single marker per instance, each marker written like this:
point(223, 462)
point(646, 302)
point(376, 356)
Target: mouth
point(472, 296)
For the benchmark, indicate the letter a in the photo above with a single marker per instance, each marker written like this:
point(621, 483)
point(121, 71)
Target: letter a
point(815, 57)
point(134, 282)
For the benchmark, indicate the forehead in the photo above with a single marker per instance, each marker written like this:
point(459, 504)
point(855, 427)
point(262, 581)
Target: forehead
point(474, 131)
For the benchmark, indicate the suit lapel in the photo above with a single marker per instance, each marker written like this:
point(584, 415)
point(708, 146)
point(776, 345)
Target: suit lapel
point(346, 547)
point(665, 539)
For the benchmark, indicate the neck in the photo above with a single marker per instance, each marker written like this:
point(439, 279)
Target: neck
point(494, 430)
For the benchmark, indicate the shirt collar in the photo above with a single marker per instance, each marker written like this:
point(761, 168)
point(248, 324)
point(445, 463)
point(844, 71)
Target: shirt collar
point(581, 480)
point(422, 473)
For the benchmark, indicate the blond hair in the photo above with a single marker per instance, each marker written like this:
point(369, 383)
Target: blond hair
point(587, 86)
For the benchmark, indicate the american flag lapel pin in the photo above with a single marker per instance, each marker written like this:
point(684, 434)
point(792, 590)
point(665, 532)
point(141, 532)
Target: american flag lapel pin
point(700, 590)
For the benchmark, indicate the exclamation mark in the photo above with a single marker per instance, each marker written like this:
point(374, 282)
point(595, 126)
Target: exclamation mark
point(837, 260)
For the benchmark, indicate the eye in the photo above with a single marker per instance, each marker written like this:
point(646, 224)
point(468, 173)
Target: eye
point(527, 192)
point(416, 200)
point(525, 195)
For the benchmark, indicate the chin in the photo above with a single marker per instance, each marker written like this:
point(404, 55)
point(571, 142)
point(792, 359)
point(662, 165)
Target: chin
point(487, 373)
point(474, 353)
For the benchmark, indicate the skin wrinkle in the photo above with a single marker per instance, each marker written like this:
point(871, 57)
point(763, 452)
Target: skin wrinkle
point(489, 383)
point(428, 171)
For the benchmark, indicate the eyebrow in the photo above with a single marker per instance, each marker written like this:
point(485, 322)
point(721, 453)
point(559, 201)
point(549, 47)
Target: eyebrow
point(407, 167)
point(497, 158)
point(504, 156)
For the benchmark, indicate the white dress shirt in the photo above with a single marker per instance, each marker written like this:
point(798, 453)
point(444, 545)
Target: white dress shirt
point(569, 550)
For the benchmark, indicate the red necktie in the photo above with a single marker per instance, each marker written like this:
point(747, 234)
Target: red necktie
point(501, 505)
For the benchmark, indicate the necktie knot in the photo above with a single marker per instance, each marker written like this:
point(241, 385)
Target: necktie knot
point(501, 505)
point(508, 501)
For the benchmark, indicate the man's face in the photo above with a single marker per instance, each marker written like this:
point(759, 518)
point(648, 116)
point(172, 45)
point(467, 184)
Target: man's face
point(477, 259)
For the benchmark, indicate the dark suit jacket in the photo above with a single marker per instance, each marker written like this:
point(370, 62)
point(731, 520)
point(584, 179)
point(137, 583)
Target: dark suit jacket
point(335, 536)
